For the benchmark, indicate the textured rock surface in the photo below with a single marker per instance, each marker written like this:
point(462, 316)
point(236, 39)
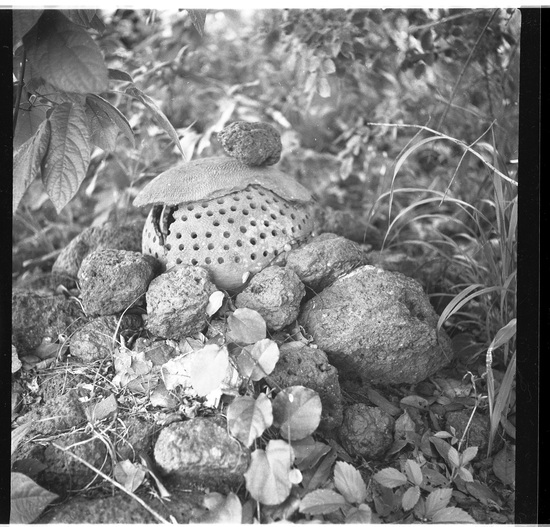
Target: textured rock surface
point(123, 509)
point(109, 236)
point(253, 144)
point(276, 294)
point(324, 259)
point(300, 365)
point(200, 452)
point(135, 437)
point(378, 324)
point(177, 300)
point(113, 280)
point(95, 340)
point(57, 414)
point(477, 430)
point(366, 431)
point(36, 316)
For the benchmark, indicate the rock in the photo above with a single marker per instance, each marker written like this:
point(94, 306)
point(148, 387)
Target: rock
point(395, 261)
point(477, 430)
point(123, 509)
point(65, 473)
point(126, 236)
point(37, 316)
point(177, 300)
point(157, 351)
point(96, 339)
point(346, 224)
point(324, 259)
point(366, 431)
point(200, 452)
point(276, 294)
point(56, 415)
point(253, 144)
point(135, 437)
point(378, 324)
point(113, 280)
point(300, 365)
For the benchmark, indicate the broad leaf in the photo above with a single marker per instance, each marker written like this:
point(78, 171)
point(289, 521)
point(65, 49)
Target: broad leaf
point(119, 75)
point(174, 372)
point(103, 129)
point(68, 155)
point(101, 106)
point(319, 475)
point(248, 418)
point(390, 478)
point(208, 368)
point(65, 55)
point(227, 510)
point(27, 162)
point(349, 483)
point(258, 360)
point(453, 457)
point(267, 477)
point(468, 454)
point(452, 515)
point(28, 500)
point(413, 472)
point(321, 501)
point(107, 407)
point(198, 17)
point(158, 115)
point(215, 302)
point(410, 498)
point(437, 500)
point(246, 326)
point(442, 447)
point(504, 465)
point(23, 21)
point(361, 514)
point(29, 119)
point(465, 474)
point(129, 474)
point(297, 412)
point(81, 17)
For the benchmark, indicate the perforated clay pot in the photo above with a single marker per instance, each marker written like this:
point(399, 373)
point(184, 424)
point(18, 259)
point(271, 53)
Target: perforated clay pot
point(227, 217)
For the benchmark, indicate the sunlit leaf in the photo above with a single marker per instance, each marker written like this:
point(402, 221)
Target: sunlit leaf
point(129, 474)
point(504, 465)
point(349, 483)
point(248, 418)
point(410, 498)
point(198, 17)
point(361, 514)
point(226, 510)
point(28, 499)
point(321, 501)
point(246, 326)
point(102, 106)
point(452, 515)
point(390, 477)
point(413, 471)
point(437, 500)
point(23, 21)
point(208, 368)
point(297, 412)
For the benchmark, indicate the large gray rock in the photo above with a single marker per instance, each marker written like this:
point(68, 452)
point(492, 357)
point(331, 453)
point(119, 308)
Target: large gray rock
point(379, 325)
point(113, 280)
point(300, 365)
point(126, 236)
point(177, 300)
point(200, 452)
point(275, 293)
point(324, 259)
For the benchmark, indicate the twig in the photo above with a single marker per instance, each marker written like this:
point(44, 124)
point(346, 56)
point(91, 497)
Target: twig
point(19, 89)
point(412, 29)
point(113, 482)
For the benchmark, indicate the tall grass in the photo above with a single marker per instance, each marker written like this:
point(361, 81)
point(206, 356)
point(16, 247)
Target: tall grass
point(481, 255)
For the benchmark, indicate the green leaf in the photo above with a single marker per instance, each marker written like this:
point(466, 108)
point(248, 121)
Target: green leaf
point(321, 501)
point(101, 106)
point(390, 477)
point(208, 368)
point(437, 500)
point(246, 326)
point(468, 454)
point(248, 418)
point(410, 498)
point(119, 75)
point(227, 510)
point(297, 412)
point(264, 354)
point(28, 500)
point(465, 474)
point(361, 514)
point(64, 55)
point(453, 457)
point(27, 161)
point(23, 21)
point(414, 472)
point(158, 115)
point(349, 483)
point(452, 515)
point(68, 155)
point(129, 474)
point(267, 477)
point(103, 129)
point(198, 17)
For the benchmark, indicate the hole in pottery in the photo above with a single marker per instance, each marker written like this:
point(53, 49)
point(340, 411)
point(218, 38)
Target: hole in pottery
point(253, 223)
point(253, 205)
point(273, 233)
point(242, 229)
point(178, 235)
point(194, 262)
point(181, 246)
point(216, 223)
point(263, 207)
point(210, 246)
point(208, 260)
point(239, 243)
point(178, 261)
point(184, 218)
point(245, 212)
point(237, 259)
point(233, 208)
point(156, 255)
point(209, 213)
point(222, 211)
point(248, 196)
point(208, 235)
point(253, 256)
point(194, 235)
point(235, 197)
point(261, 193)
point(230, 220)
point(265, 253)
point(226, 234)
point(154, 239)
point(275, 252)
point(281, 212)
point(252, 241)
point(266, 223)
point(196, 247)
point(300, 227)
point(198, 215)
point(263, 235)
point(204, 205)
point(293, 216)
point(226, 247)
point(220, 260)
point(220, 201)
point(168, 246)
point(293, 229)
point(273, 216)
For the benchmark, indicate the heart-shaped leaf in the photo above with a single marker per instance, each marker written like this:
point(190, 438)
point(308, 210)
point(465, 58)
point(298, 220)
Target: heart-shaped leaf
point(297, 412)
point(28, 499)
point(248, 418)
point(246, 326)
